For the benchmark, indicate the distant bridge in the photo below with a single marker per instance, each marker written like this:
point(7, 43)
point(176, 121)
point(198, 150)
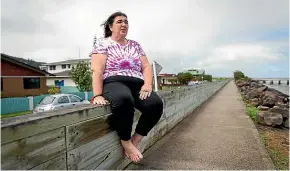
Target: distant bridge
point(272, 81)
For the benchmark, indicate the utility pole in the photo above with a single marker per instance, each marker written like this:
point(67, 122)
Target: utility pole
point(155, 77)
point(79, 53)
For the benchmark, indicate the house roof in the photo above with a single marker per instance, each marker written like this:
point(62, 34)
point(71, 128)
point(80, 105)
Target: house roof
point(167, 75)
point(63, 73)
point(71, 61)
point(17, 62)
point(196, 71)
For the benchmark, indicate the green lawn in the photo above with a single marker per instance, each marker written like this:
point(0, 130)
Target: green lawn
point(16, 114)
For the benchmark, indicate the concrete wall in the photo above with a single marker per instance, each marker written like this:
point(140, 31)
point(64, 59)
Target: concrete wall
point(80, 138)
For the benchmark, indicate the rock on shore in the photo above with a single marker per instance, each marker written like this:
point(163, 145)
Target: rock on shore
point(273, 105)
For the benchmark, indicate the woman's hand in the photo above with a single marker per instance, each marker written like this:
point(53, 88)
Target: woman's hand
point(100, 100)
point(145, 92)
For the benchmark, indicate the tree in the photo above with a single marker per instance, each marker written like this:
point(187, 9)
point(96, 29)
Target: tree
point(184, 78)
point(238, 75)
point(208, 78)
point(81, 76)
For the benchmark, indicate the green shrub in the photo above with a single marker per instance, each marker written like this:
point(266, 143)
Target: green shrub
point(252, 112)
point(207, 78)
point(53, 90)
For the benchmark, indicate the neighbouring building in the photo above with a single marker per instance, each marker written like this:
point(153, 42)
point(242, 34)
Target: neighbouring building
point(58, 67)
point(196, 72)
point(61, 77)
point(168, 79)
point(19, 79)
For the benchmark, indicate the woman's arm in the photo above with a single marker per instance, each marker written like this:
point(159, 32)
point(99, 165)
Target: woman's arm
point(98, 62)
point(146, 70)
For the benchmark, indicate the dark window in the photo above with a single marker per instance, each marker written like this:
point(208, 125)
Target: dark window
point(63, 99)
point(52, 67)
point(63, 66)
point(31, 83)
point(59, 82)
point(74, 99)
point(68, 65)
point(1, 84)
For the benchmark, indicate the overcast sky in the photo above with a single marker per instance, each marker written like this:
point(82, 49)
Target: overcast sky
point(219, 36)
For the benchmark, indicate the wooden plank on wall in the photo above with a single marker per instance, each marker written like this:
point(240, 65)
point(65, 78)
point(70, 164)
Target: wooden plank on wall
point(32, 151)
point(57, 163)
point(113, 159)
point(89, 156)
point(35, 125)
point(86, 131)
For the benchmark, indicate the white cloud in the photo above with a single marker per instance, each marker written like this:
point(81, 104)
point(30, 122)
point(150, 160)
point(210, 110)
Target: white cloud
point(178, 34)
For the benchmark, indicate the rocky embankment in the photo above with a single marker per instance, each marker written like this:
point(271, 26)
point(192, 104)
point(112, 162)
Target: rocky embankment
point(273, 105)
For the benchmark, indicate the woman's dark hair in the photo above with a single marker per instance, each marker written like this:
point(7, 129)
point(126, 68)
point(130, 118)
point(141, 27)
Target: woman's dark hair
point(109, 22)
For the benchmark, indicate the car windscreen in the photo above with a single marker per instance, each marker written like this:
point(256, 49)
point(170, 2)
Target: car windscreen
point(47, 100)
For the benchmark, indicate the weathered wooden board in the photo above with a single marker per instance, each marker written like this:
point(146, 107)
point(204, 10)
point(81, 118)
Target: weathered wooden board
point(89, 156)
point(113, 159)
point(57, 163)
point(28, 126)
point(32, 151)
point(86, 131)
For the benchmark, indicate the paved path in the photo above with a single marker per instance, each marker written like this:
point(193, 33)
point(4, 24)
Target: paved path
point(219, 135)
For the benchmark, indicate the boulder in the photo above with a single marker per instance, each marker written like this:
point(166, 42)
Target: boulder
point(242, 83)
point(286, 123)
point(261, 89)
point(263, 107)
point(243, 88)
point(283, 111)
point(254, 102)
point(269, 118)
point(252, 94)
point(282, 105)
point(253, 83)
point(270, 98)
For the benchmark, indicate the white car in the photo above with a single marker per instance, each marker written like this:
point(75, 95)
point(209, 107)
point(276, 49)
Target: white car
point(59, 101)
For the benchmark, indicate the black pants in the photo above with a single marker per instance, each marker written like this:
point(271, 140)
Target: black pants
point(123, 94)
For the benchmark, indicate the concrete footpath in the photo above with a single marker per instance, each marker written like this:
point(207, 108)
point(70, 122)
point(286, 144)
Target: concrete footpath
point(218, 135)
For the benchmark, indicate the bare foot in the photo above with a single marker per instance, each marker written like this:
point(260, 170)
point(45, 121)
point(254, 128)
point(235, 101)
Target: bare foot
point(131, 152)
point(136, 138)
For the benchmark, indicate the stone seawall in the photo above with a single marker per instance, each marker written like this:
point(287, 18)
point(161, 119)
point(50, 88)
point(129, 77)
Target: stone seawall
point(273, 105)
point(80, 138)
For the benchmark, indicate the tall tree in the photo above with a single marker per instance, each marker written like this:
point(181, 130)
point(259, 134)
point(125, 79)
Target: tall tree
point(82, 77)
point(184, 78)
point(238, 75)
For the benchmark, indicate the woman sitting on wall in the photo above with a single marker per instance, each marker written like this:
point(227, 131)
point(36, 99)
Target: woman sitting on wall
point(122, 76)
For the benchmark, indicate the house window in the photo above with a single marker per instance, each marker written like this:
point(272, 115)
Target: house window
point(31, 83)
point(63, 66)
point(68, 65)
point(59, 83)
point(52, 67)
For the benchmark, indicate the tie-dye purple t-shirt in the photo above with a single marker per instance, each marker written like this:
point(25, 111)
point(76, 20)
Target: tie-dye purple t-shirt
point(121, 59)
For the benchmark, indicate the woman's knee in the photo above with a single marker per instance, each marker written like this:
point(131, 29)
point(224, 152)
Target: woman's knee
point(155, 103)
point(123, 100)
